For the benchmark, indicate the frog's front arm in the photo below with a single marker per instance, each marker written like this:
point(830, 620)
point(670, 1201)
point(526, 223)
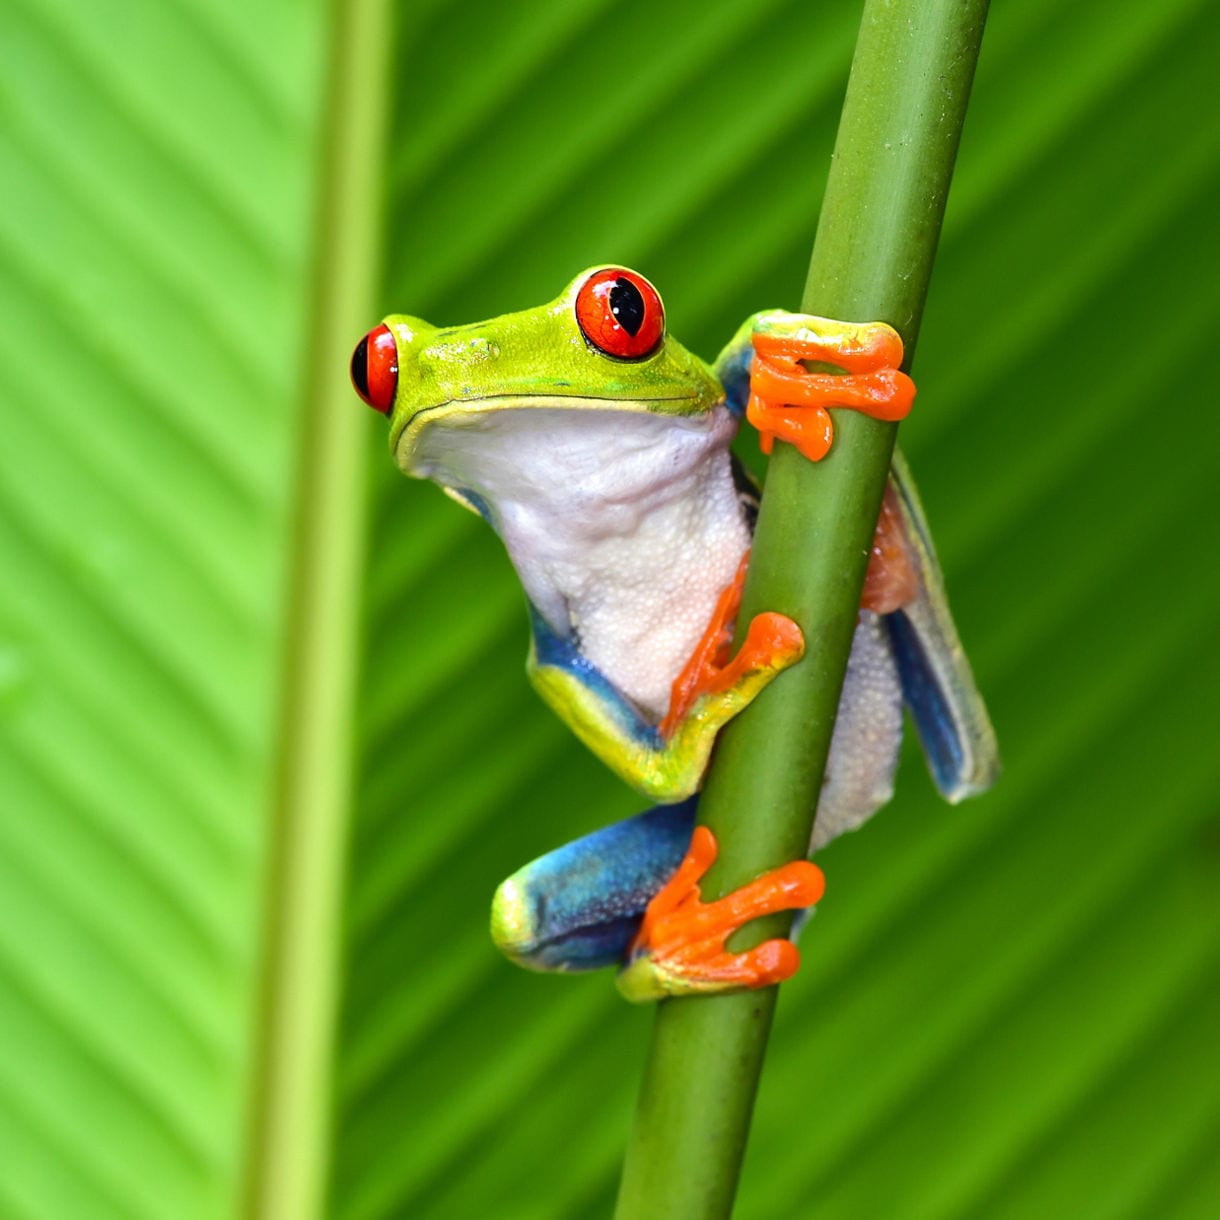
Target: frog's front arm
point(665, 760)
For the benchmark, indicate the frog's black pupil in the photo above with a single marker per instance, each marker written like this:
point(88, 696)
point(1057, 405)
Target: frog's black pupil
point(627, 305)
point(360, 367)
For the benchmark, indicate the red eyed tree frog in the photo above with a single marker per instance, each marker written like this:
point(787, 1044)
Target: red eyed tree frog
point(597, 447)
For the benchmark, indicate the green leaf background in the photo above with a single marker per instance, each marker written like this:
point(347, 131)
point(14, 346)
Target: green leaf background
point(1006, 1010)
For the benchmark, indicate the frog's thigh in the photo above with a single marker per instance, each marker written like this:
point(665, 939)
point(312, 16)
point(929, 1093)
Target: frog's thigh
point(868, 734)
point(577, 908)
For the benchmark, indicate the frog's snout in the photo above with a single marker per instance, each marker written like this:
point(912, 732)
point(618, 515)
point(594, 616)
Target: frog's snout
point(375, 368)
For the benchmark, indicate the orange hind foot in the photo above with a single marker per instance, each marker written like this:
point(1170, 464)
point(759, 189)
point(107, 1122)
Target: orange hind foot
point(680, 946)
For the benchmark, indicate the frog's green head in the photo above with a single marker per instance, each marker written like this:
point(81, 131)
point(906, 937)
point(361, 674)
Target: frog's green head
point(601, 345)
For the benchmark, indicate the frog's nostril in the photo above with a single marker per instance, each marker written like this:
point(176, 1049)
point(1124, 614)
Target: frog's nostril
point(375, 369)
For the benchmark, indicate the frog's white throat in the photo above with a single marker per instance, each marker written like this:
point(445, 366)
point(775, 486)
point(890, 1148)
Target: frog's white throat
point(623, 525)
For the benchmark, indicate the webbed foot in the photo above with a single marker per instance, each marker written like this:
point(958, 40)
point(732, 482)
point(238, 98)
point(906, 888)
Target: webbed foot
point(790, 402)
point(680, 946)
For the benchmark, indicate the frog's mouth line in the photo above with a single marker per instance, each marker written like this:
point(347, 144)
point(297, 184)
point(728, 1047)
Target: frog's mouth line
point(404, 439)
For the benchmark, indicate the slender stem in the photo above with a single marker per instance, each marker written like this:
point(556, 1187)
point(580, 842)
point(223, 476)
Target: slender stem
point(872, 259)
point(287, 1138)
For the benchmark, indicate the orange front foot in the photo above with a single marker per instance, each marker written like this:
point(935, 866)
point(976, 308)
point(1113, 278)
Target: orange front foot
point(773, 641)
point(680, 946)
point(789, 402)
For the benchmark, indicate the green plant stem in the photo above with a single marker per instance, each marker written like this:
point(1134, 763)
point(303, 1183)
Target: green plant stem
point(287, 1139)
point(872, 259)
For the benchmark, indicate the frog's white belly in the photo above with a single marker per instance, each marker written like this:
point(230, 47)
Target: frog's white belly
point(623, 526)
point(639, 603)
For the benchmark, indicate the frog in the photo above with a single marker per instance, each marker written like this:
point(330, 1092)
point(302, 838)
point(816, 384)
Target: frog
point(598, 448)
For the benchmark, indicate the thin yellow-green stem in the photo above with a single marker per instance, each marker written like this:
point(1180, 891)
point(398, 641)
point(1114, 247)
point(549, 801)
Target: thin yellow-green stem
point(287, 1141)
point(872, 259)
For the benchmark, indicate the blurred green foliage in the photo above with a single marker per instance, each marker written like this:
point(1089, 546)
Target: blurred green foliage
point(1006, 1010)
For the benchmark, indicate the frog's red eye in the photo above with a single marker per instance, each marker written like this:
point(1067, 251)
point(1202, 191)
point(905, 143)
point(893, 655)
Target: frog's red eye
point(620, 313)
point(375, 369)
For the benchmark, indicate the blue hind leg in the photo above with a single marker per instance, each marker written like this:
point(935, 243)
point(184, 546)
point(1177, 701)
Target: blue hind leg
point(578, 907)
